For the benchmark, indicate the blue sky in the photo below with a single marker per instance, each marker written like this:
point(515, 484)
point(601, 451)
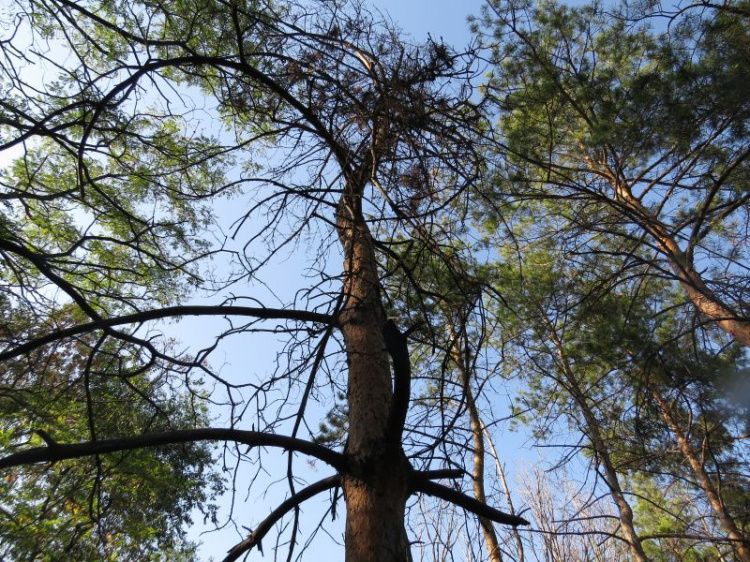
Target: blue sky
point(440, 18)
point(444, 19)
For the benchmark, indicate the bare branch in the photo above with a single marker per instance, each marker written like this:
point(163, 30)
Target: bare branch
point(467, 503)
point(59, 452)
point(262, 529)
point(169, 312)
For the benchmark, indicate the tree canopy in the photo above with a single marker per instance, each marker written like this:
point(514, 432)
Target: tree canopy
point(415, 248)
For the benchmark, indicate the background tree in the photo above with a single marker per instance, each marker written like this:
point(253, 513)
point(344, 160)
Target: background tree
point(568, 369)
point(622, 154)
point(453, 336)
point(594, 361)
point(638, 122)
point(568, 525)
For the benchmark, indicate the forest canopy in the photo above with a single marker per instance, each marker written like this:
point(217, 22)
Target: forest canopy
point(281, 267)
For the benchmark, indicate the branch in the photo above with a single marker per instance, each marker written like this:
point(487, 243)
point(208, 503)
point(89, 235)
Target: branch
point(168, 312)
point(59, 452)
point(438, 474)
point(119, 30)
point(398, 348)
point(690, 537)
point(262, 529)
point(467, 503)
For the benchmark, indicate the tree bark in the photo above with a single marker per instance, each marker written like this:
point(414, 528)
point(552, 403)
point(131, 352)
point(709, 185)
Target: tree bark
point(377, 484)
point(740, 542)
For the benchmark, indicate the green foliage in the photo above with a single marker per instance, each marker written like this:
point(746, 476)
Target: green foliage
point(666, 512)
point(131, 505)
point(588, 352)
point(104, 213)
point(619, 130)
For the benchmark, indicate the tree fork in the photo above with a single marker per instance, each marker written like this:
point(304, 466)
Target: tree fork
point(377, 487)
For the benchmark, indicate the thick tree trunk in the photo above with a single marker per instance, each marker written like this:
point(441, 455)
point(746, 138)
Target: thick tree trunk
point(376, 488)
point(740, 542)
point(375, 510)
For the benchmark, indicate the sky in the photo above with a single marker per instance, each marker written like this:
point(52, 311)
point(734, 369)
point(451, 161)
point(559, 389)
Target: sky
point(440, 19)
point(444, 19)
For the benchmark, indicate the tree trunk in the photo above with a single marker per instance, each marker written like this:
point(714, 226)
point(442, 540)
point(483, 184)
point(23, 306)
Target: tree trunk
point(520, 554)
point(703, 298)
point(740, 542)
point(459, 359)
point(376, 488)
point(602, 452)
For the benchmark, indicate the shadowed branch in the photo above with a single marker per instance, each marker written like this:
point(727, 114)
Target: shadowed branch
point(168, 312)
point(256, 536)
point(469, 504)
point(56, 452)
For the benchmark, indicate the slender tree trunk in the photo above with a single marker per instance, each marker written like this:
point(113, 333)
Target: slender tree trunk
point(602, 452)
point(376, 489)
point(506, 491)
point(740, 542)
point(488, 529)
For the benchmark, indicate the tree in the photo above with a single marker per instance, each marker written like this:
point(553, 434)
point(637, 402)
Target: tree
point(571, 526)
point(622, 151)
point(337, 130)
point(129, 505)
point(458, 349)
point(565, 360)
point(637, 121)
point(611, 364)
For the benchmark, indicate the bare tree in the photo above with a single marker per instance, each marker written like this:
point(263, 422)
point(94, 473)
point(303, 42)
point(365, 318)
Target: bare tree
point(568, 524)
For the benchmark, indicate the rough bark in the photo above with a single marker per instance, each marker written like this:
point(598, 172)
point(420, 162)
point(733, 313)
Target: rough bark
point(377, 486)
point(740, 542)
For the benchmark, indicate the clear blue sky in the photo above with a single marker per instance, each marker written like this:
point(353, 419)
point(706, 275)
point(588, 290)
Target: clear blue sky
point(440, 18)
